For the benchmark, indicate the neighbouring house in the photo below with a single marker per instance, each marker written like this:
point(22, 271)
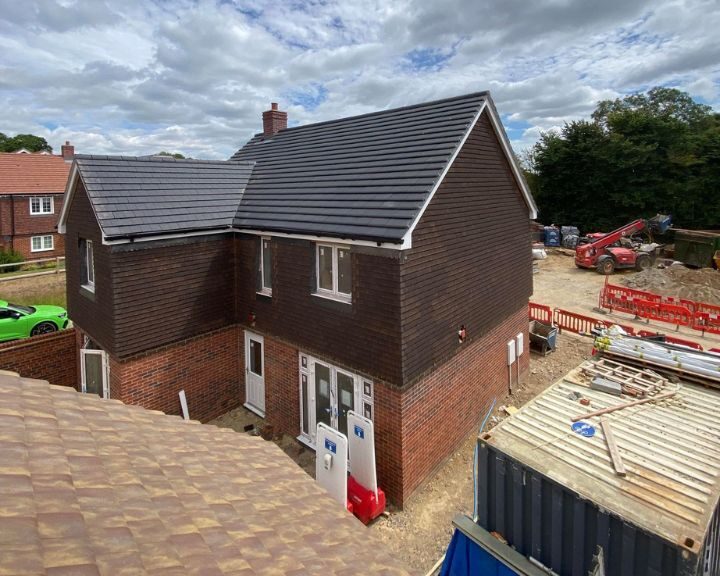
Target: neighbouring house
point(379, 263)
point(89, 487)
point(31, 199)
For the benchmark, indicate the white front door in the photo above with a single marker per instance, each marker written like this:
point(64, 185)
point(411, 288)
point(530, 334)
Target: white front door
point(255, 373)
point(94, 372)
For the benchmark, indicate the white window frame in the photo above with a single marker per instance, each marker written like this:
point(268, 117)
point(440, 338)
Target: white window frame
point(333, 294)
point(89, 256)
point(43, 243)
point(41, 205)
point(265, 290)
point(85, 351)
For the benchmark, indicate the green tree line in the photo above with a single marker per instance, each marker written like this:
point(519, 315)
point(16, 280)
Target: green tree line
point(646, 153)
point(29, 142)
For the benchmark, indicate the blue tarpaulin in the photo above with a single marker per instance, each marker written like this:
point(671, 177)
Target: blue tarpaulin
point(464, 557)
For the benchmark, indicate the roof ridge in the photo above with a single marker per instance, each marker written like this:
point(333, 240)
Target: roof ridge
point(480, 94)
point(163, 159)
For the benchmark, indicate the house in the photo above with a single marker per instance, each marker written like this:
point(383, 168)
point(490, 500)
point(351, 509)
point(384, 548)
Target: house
point(31, 198)
point(102, 488)
point(379, 263)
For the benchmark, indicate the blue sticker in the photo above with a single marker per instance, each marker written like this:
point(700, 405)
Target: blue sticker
point(359, 432)
point(584, 429)
point(330, 445)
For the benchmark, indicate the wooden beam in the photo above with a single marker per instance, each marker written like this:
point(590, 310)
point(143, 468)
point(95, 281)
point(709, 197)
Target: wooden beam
point(627, 405)
point(612, 448)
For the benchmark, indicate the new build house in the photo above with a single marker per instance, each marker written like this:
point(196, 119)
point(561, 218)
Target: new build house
point(379, 263)
point(31, 198)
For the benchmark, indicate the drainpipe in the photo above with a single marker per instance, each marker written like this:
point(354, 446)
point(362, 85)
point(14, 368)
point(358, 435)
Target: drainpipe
point(12, 225)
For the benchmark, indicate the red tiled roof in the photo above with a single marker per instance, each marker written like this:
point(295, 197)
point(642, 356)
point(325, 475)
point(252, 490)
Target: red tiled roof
point(23, 173)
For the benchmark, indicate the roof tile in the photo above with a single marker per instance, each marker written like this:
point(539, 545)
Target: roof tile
point(33, 173)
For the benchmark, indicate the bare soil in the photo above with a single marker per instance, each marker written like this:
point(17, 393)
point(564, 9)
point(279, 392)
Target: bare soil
point(701, 285)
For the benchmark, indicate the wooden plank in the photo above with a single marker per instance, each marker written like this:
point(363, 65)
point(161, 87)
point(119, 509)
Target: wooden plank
point(612, 448)
point(627, 405)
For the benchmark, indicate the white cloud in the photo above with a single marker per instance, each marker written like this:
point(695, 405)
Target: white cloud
point(194, 75)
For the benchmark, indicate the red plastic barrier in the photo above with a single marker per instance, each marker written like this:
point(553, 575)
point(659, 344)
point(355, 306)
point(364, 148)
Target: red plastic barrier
point(670, 313)
point(540, 312)
point(671, 339)
point(706, 322)
point(577, 323)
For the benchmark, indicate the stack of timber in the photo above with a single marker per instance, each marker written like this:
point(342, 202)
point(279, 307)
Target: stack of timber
point(633, 381)
point(688, 364)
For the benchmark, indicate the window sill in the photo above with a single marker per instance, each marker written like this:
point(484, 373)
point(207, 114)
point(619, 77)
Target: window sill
point(87, 291)
point(306, 441)
point(42, 250)
point(264, 292)
point(334, 297)
point(42, 213)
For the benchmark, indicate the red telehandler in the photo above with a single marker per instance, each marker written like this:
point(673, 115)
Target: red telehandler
point(610, 251)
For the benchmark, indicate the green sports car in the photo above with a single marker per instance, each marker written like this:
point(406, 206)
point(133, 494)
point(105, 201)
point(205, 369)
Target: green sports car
point(18, 321)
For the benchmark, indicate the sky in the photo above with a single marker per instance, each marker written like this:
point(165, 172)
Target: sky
point(193, 76)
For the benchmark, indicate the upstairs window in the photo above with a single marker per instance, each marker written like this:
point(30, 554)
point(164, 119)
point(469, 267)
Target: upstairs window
point(265, 259)
point(41, 205)
point(87, 265)
point(334, 272)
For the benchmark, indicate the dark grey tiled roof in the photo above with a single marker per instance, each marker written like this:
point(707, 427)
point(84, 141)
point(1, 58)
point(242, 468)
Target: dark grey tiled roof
point(364, 177)
point(157, 195)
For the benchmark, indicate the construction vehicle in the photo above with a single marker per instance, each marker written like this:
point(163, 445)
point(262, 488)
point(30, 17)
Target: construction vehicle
point(618, 249)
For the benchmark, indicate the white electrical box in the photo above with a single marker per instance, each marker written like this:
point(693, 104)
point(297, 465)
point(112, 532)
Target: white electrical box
point(511, 352)
point(520, 344)
point(331, 462)
point(361, 447)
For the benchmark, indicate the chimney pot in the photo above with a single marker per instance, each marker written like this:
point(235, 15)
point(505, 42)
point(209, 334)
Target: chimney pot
point(274, 120)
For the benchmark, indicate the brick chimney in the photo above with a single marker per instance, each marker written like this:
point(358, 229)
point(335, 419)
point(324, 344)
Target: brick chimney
point(273, 121)
point(67, 151)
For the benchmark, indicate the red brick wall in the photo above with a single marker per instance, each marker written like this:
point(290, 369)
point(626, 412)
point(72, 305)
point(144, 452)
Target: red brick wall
point(441, 409)
point(23, 244)
point(387, 421)
point(50, 357)
point(207, 367)
point(282, 388)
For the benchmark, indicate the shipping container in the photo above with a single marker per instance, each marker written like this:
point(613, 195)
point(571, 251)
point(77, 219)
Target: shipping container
point(696, 247)
point(550, 489)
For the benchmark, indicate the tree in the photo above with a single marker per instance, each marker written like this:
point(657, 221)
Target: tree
point(642, 154)
point(172, 155)
point(29, 142)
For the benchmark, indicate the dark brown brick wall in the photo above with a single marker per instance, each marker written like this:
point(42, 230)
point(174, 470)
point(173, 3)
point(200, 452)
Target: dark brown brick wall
point(471, 260)
point(17, 225)
point(207, 367)
point(50, 357)
point(364, 334)
point(93, 312)
point(170, 291)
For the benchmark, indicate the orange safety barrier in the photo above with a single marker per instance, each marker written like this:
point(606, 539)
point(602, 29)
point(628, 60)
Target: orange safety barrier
point(540, 312)
point(671, 339)
point(577, 323)
point(670, 313)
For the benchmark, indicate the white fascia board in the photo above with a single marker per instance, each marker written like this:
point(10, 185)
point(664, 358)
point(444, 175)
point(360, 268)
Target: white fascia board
point(324, 239)
point(407, 237)
point(69, 193)
point(517, 171)
point(321, 239)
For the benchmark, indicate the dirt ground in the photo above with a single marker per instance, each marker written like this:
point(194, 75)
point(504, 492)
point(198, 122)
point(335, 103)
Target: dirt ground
point(560, 284)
